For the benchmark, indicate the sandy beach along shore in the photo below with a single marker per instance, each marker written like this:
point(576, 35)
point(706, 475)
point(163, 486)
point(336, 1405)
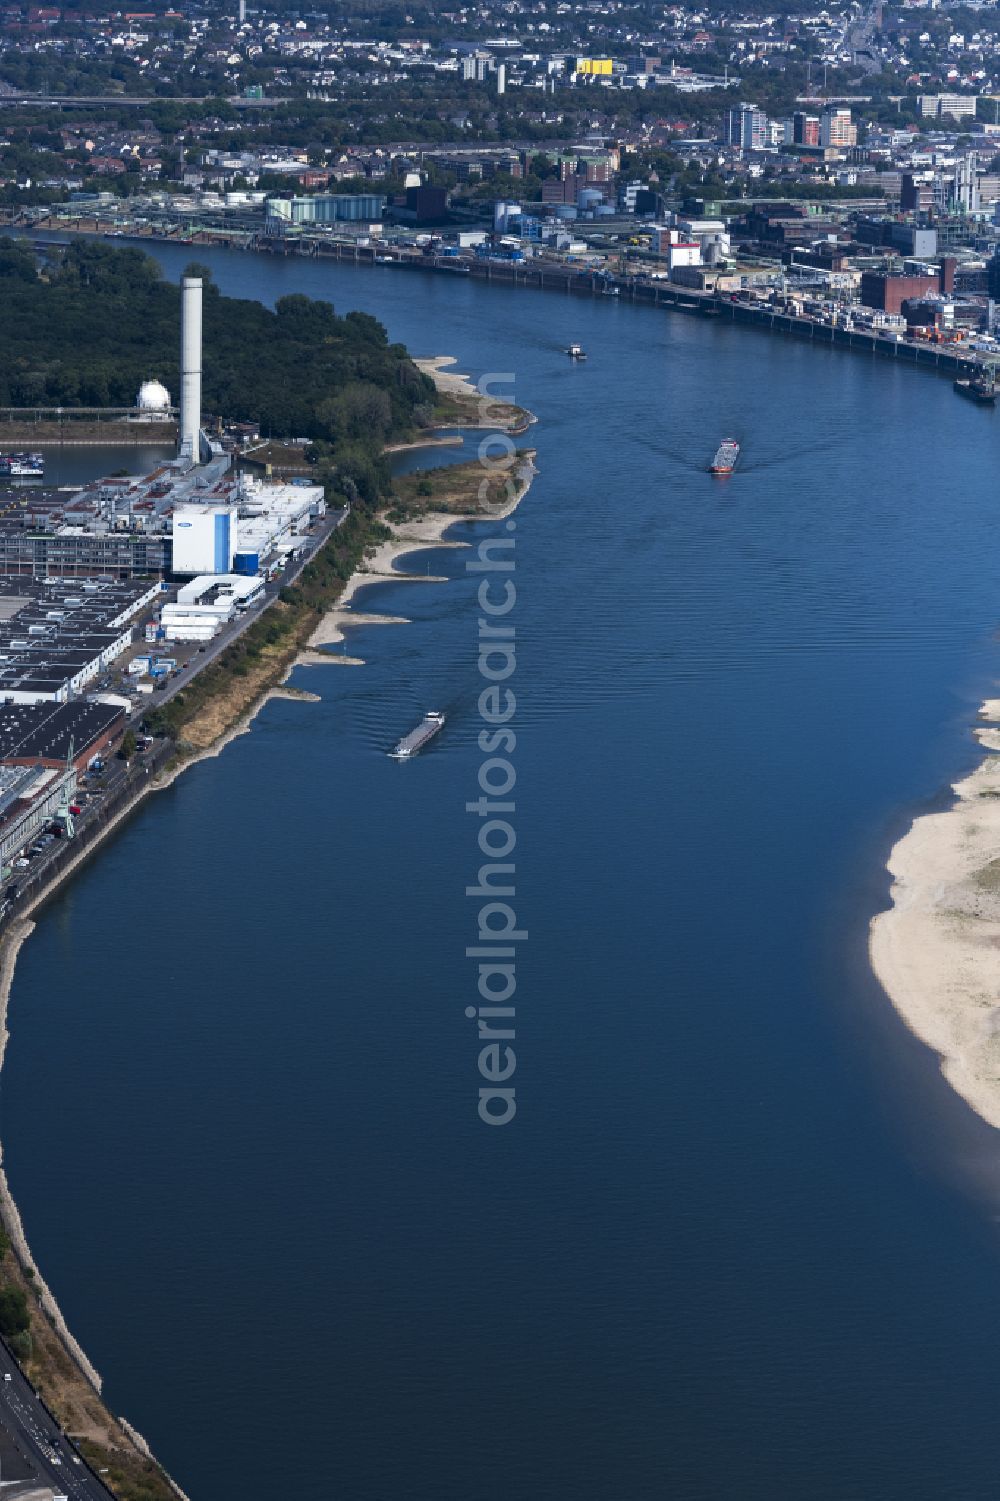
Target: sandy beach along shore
point(474, 409)
point(407, 537)
point(428, 531)
point(936, 951)
point(453, 440)
point(452, 381)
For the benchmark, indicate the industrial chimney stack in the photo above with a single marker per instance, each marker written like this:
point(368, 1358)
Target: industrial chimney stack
point(190, 442)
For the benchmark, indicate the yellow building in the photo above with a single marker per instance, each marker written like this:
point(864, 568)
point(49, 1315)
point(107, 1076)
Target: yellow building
point(594, 66)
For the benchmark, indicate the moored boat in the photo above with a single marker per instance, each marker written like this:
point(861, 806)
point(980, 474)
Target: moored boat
point(980, 387)
point(22, 465)
point(576, 352)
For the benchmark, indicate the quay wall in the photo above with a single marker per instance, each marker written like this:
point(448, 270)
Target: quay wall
point(653, 294)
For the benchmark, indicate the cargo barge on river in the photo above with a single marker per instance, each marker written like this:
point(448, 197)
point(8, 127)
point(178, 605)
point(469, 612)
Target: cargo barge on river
point(431, 724)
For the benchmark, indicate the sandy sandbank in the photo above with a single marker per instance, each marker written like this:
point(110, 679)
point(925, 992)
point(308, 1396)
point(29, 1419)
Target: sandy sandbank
point(428, 531)
point(451, 381)
point(411, 536)
point(445, 440)
point(494, 411)
point(936, 951)
point(326, 658)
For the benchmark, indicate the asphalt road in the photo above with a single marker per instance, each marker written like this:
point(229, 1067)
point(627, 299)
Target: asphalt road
point(859, 38)
point(37, 1437)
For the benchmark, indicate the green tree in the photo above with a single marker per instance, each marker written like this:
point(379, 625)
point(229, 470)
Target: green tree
point(14, 1316)
point(198, 268)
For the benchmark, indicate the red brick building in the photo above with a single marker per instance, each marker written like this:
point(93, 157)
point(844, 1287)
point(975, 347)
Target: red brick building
point(887, 292)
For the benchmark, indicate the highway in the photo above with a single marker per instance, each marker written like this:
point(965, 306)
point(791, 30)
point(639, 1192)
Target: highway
point(37, 1439)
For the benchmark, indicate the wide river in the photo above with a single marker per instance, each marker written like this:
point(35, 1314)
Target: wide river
point(739, 1242)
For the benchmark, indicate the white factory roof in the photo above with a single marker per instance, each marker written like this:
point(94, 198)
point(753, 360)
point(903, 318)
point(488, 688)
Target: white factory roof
point(170, 614)
point(229, 586)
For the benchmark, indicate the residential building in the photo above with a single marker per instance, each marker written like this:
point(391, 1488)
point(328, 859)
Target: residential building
point(805, 129)
point(746, 127)
point(837, 129)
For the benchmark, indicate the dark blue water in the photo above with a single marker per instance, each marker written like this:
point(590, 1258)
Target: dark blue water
point(738, 1242)
point(78, 464)
point(436, 456)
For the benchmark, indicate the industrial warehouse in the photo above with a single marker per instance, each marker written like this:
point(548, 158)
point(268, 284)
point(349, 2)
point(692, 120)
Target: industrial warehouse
point(194, 515)
point(44, 751)
point(85, 579)
point(56, 640)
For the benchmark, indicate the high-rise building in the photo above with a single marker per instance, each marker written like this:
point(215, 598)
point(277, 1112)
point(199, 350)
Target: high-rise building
point(837, 129)
point(746, 127)
point(805, 129)
point(964, 195)
point(993, 277)
point(916, 193)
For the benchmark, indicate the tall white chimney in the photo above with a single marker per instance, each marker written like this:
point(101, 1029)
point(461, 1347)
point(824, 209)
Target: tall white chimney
point(190, 368)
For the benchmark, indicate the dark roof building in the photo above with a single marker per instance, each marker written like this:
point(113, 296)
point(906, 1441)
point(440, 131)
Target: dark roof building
point(45, 734)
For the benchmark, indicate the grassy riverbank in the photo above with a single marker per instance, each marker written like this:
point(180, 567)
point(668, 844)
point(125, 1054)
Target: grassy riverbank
point(468, 489)
point(467, 409)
